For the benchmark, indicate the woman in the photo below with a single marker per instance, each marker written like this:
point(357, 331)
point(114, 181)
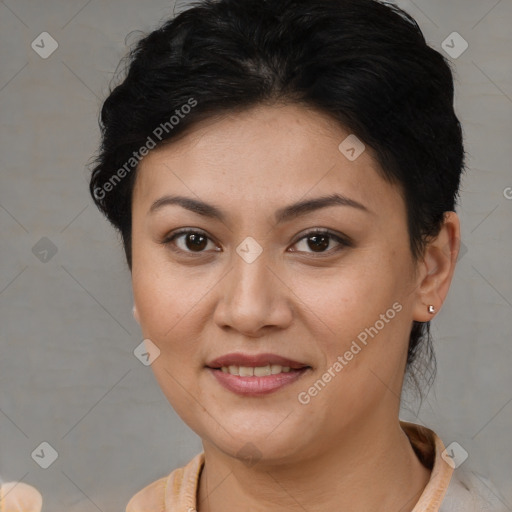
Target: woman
point(284, 175)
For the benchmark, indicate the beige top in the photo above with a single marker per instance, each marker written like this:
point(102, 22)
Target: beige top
point(446, 491)
point(177, 492)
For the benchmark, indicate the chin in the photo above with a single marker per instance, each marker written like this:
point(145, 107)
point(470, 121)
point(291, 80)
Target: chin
point(256, 441)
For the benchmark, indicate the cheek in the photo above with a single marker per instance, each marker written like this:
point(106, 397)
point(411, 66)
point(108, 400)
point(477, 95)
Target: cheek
point(162, 301)
point(349, 298)
point(358, 314)
point(167, 319)
point(173, 314)
point(156, 290)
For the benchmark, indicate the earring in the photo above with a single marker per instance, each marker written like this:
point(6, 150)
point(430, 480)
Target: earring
point(431, 309)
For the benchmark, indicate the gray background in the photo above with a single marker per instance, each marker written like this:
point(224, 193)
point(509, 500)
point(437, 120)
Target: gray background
point(68, 375)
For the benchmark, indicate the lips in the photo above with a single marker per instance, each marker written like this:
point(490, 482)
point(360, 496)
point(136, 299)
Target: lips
point(256, 360)
point(255, 375)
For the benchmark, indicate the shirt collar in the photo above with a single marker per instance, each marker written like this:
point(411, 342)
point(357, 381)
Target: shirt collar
point(179, 489)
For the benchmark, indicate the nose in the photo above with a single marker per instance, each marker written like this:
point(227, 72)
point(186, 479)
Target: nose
point(253, 300)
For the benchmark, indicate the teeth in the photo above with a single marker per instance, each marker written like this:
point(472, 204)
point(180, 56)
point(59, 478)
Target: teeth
point(258, 371)
point(245, 371)
point(261, 371)
point(275, 368)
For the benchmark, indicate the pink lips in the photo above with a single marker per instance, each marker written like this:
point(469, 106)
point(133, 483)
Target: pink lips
point(254, 386)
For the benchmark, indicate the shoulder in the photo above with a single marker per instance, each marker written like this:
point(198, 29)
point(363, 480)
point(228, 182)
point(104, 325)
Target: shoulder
point(470, 492)
point(19, 496)
point(450, 489)
point(176, 491)
point(151, 497)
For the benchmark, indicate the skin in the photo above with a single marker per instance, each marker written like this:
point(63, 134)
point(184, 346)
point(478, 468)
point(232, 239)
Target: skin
point(344, 450)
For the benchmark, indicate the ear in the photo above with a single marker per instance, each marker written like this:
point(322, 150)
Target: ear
point(436, 271)
point(136, 314)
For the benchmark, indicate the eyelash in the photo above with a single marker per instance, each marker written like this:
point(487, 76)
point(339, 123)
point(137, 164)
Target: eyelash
point(344, 242)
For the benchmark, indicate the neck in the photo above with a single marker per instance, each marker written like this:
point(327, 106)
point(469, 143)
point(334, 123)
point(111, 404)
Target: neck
point(368, 469)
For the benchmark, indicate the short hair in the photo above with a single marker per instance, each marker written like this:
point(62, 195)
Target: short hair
point(364, 63)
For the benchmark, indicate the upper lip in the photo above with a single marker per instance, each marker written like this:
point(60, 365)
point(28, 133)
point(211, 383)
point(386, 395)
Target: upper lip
point(239, 359)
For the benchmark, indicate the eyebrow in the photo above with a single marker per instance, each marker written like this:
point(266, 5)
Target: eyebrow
point(282, 215)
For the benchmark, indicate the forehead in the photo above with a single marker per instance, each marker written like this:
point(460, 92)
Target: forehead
point(266, 153)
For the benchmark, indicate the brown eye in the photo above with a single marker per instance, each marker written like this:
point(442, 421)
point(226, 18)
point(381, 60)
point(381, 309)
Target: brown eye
point(318, 243)
point(195, 241)
point(188, 241)
point(321, 242)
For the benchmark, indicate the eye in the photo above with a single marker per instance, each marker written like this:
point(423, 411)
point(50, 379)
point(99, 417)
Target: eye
point(188, 241)
point(320, 241)
point(194, 241)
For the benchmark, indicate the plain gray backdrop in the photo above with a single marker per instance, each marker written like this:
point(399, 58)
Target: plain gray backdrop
point(68, 374)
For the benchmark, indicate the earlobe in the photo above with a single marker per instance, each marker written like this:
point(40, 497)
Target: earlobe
point(438, 268)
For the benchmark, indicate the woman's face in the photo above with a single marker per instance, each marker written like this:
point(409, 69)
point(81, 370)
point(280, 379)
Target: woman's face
point(254, 286)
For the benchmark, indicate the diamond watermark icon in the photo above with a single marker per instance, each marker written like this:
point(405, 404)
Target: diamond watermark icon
point(351, 147)
point(146, 352)
point(249, 454)
point(454, 45)
point(44, 45)
point(249, 250)
point(44, 250)
point(454, 455)
point(45, 455)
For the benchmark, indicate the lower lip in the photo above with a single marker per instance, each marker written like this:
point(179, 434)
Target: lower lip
point(255, 386)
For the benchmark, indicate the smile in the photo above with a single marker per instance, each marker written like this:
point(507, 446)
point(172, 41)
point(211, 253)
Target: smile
point(253, 375)
point(258, 371)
